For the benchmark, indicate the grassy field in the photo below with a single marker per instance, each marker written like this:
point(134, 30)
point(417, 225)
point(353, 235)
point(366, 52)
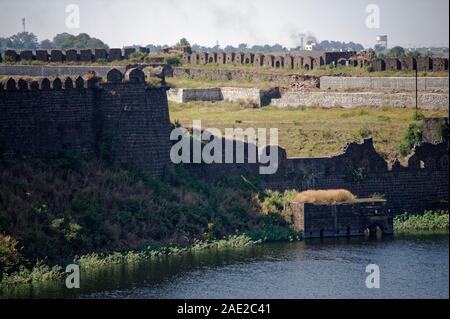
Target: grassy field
point(307, 132)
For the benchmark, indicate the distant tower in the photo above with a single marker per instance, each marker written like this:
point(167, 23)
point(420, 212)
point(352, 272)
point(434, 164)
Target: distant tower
point(301, 42)
point(382, 41)
point(23, 25)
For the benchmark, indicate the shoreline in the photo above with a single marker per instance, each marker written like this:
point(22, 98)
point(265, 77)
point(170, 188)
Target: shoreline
point(429, 223)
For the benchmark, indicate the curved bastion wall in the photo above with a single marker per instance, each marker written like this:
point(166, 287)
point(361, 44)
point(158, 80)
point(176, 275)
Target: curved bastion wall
point(123, 118)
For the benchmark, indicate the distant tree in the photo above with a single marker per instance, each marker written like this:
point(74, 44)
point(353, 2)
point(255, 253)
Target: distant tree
point(277, 48)
point(257, 48)
point(24, 41)
point(65, 41)
point(336, 45)
point(413, 54)
point(396, 52)
point(229, 48)
point(243, 47)
point(46, 44)
point(183, 42)
point(5, 43)
point(379, 48)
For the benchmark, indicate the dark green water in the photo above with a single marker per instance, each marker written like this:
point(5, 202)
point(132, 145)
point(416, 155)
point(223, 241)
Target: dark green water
point(410, 267)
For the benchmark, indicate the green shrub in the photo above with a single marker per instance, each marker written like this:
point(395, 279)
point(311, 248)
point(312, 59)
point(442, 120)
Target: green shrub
point(443, 130)
point(9, 253)
point(428, 221)
point(274, 228)
point(412, 136)
point(39, 273)
point(8, 59)
point(172, 59)
point(363, 132)
point(137, 56)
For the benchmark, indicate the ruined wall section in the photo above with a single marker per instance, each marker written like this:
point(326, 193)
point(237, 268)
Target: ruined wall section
point(312, 59)
point(422, 184)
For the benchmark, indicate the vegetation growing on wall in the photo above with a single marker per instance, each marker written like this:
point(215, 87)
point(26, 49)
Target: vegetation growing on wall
point(52, 211)
point(411, 137)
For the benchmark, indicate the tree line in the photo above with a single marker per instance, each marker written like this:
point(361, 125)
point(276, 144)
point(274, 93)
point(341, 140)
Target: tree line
point(243, 47)
point(62, 41)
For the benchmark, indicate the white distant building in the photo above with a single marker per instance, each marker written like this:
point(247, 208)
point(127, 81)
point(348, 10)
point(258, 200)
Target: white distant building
point(382, 41)
point(310, 46)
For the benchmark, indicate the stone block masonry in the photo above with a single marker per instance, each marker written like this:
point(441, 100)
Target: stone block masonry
point(429, 101)
point(341, 219)
point(232, 94)
point(421, 185)
point(53, 70)
point(72, 55)
point(383, 83)
point(126, 121)
point(310, 60)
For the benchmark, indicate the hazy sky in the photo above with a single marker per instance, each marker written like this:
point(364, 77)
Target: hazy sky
point(119, 22)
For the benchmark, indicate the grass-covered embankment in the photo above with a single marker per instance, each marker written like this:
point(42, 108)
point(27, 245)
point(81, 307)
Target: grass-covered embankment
point(53, 211)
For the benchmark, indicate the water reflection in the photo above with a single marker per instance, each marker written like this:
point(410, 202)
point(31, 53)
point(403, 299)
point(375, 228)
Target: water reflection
point(411, 266)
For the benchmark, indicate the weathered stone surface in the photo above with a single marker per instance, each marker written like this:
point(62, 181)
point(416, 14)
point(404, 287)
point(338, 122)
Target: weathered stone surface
point(128, 51)
point(42, 55)
point(72, 55)
point(251, 96)
point(100, 55)
point(86, 55)
point(342, 219)
point(393, 64)
point(135, 75)
point(376, 83)
point(42, 117)
point(115, 55)
point(56, 56)
point(114, 76)
point(26, 55)
point(361, 99)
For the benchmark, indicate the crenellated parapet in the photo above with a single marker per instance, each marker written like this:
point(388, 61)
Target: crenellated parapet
point(310, 60)
point(123, 116)
point(17, 83)
point(70, 55)
point(47, 83)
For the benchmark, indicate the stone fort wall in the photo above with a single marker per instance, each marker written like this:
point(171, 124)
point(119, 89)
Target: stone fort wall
point(70, 55)
point(383, 83)
point(122, 119)
point(421, 184)
point(127, 121)
point(310, 60)
point(330, 99)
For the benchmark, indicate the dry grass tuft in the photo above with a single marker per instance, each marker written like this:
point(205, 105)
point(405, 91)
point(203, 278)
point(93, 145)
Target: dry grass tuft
point(330, 196)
